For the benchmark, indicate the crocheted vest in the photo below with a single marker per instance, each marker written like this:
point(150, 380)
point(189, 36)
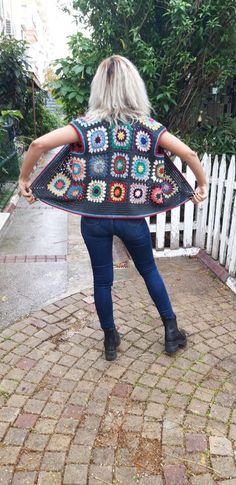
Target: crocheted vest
point(116, 171)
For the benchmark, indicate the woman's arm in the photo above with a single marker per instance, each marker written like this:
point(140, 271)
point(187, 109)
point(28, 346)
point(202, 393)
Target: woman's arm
point(179, 148)
point(56, 138)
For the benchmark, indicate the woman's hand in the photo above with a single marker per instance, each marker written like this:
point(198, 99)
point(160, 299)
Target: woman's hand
point(200, 194)
point(24, 185)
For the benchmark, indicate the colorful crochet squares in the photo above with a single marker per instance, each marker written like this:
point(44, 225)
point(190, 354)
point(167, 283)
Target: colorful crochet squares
point(75, 192)
point(76, 167)
point(143, 141)
point(156, 195)
point(119, 165)
point(140, 168)
point(169, 187)
point(117, 192)
point(138, 193)
point(158, 170)
point(98, 166)
point(96, 191)
point(59, 184)
point(97, 139)
point(150, 123)
point(121, 137)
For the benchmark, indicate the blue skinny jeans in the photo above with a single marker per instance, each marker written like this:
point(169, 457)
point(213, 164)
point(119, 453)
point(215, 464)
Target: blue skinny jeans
point(98, 237)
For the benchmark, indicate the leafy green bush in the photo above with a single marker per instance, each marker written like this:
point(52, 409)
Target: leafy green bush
point(181, 48)
point(45, 120)
point(215, 139)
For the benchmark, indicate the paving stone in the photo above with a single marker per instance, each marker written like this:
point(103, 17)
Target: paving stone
point(224, 467)
point(198, 407)
point(220, 446)
point(9, 454)
point(122, 390)
point(76, 474)
point(45, 425)
point(53, 461)
point(15, 436)
point(219, 413)
point(49, 478)
point(36, 441)
point(59, 442)
point(132, 423)
point(126, 475)
point(29, 460)
point(196, 442)
point(52, 410)
point(9, 414)
point(102, 456)
point(3, 429)
point(175, 475)
point(151, 430)
point(6, 475)
point(205, 479)
point(24, 478)
point(34, 406)
point(155, 410)
point(26, 420)
point(97, 474)
point(85, 436)
point(79, 454)
point(140, 394)
point(73, 411)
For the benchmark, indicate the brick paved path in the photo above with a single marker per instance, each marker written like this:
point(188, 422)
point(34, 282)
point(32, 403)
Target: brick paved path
point(69, 417)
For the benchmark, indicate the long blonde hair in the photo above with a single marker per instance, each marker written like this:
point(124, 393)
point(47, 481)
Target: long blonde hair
point(118, 92)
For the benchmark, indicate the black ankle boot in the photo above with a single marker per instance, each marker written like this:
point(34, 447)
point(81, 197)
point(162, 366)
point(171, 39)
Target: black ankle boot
point(111, 342)
point(174, 338)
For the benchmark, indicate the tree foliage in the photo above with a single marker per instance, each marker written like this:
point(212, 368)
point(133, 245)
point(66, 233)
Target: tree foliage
point(14, 72)
point(180, 48)
point(16, 91)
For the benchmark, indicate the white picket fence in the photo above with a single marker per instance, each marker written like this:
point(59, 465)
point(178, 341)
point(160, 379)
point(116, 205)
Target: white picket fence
point(210, 225)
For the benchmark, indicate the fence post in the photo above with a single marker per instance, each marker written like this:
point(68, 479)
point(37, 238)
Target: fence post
point(188, 212)
point(212, 205)
point(203, 206)
point(219, 201)
point(227, 210)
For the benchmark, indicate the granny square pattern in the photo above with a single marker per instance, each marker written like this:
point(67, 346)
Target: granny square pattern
point(119, 165)
point(98, 166)
point(75, 192)
point(96, 191)
point(97, 139)
point(117, 192)
point(76, 166)
point(158, 170)
point(138, 193)
point(143, 141)
point(114, 171)
point(140, 168)
point(121, 137)
point(59, 184)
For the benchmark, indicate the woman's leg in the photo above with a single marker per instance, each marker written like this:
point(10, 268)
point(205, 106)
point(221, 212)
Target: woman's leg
point(139, 244)
point(99, 247)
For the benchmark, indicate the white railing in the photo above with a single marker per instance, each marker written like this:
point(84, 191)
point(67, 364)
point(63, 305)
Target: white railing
point(210, 225)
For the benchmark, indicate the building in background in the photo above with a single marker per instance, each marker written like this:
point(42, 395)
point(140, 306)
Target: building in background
point(40, 23)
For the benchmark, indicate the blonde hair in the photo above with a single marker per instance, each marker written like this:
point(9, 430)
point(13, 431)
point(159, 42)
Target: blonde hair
point(118, 92)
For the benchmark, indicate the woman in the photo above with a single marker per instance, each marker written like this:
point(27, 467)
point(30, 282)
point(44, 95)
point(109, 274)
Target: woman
point(118, 96)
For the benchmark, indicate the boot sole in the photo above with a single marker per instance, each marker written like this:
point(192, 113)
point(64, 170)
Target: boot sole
point(172, 347)
point(110, 354)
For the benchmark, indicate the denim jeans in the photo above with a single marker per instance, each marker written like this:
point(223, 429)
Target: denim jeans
point(98, 237)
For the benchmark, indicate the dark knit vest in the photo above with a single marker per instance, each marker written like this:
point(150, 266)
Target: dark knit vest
point(117, 171)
